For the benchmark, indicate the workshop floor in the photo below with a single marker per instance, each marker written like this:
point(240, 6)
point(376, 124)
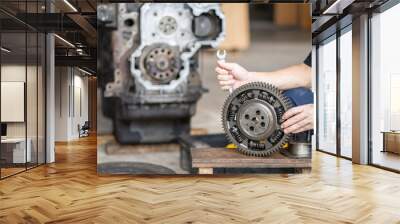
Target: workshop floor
point(270, 48)
point(70, 191)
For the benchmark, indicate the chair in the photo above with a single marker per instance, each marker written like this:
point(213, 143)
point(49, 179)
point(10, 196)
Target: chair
point(84, 130)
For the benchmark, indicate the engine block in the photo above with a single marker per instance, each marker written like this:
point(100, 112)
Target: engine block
point(148, 65)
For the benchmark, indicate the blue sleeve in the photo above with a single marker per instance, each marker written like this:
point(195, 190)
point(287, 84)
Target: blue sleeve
point(300, 96)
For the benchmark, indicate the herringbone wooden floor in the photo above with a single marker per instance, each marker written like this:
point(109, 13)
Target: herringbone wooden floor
point(70, 191)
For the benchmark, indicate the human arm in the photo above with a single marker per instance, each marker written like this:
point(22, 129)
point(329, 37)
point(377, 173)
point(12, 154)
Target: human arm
point(287, 78)
point(233, 75)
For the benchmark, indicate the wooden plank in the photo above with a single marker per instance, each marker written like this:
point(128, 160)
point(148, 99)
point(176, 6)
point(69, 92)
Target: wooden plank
point(229, 158)
point(206, 171)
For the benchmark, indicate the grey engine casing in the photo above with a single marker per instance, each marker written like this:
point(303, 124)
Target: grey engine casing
point(148, 65)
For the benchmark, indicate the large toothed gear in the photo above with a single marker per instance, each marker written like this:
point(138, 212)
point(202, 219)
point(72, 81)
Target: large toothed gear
point(252, 118)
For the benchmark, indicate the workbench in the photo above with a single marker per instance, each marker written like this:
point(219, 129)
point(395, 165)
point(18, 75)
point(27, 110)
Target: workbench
point(207, 153)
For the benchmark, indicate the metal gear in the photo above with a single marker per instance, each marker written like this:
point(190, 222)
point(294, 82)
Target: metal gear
point(168, 25)
point(161, 63)
point(251, 118)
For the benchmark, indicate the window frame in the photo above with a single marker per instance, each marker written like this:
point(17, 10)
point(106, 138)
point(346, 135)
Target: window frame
point(27, 29)
point(333, 37)
point(378, 10)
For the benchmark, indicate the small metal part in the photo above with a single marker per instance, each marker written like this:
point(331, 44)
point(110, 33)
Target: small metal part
point(104, 13)
point(206, 25)
point(168, 25)
point(298, 150)
point(221, 55)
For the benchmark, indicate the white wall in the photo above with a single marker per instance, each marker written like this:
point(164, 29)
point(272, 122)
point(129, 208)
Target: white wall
point(33, 126)
point(17, 73)
point(61, 103)
point(71, 102)
point(12, 73)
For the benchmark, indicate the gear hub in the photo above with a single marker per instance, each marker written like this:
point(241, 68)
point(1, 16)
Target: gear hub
point(161, 63)
point(251, 118)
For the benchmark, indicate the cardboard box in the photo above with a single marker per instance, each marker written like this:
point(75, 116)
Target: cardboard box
point(291, 15)
point(285, 14)
point(237, 26)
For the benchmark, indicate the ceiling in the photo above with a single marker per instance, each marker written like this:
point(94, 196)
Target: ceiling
point(74, 22)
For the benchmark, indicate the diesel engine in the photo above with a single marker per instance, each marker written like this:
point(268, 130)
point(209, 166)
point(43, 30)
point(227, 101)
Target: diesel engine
point(148, 66)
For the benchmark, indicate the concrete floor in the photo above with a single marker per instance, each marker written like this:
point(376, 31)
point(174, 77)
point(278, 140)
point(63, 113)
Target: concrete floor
point(271, 48)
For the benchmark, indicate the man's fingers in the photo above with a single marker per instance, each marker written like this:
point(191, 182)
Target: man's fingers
point(224, 77)
point(293, 120)
point(297, 127)
point(305, 128)
point(226, 65)
point(227, 83)
point(228, 87)
point(292, 111)
point(221, 71)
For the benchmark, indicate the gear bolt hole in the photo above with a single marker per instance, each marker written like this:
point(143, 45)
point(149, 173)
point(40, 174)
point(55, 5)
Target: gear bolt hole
point(246, 116)
point(251, 128)
point(129, 22)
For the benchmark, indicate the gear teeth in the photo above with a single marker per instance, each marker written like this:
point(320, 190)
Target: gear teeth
point(269, 88)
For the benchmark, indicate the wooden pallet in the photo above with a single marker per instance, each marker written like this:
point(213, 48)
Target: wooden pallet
point(206, 159)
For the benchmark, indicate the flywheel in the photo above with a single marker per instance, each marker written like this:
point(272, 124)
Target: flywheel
point(252, 118)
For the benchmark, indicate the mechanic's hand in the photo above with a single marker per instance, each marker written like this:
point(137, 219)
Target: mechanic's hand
point(298, 119)
point(231, 75)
